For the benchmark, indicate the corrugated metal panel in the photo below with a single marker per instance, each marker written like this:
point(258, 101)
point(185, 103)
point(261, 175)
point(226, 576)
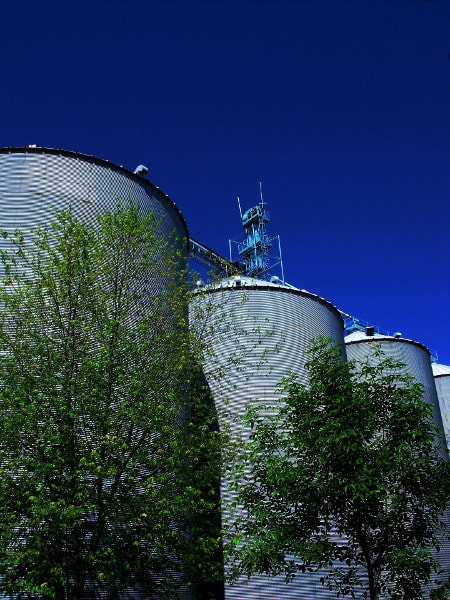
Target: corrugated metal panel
point(262, 333)
point(35, 183)
point(441, 375)
point(416, 359)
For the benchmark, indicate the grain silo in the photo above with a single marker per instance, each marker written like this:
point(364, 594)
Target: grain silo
point(36, 182)
point(416, 360)
point(441, 375)
point(260, 331)
point(414, 355)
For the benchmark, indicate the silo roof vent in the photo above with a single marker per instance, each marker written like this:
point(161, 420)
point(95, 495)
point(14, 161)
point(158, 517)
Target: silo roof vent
point(141, 170)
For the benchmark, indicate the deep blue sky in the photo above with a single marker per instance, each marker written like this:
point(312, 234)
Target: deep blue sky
point(340, 108)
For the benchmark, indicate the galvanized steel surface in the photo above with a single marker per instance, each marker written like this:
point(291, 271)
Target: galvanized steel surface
point(442, 381)
point(262, 333)
point(415, 356)
point(34, 183)
point(416, 359)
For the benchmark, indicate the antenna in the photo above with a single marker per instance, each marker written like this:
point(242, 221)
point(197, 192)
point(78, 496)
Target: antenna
point(260, 193)
point(239, 204)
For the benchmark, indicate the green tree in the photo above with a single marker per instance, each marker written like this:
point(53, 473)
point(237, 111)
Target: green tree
point(346, 476)
point(99, 481)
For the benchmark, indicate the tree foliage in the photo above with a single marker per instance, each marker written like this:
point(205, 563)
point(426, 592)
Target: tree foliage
point(100, 477)
point(344, 475)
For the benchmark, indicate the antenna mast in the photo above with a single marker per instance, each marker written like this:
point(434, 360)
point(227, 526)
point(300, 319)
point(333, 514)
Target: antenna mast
point(239, 204)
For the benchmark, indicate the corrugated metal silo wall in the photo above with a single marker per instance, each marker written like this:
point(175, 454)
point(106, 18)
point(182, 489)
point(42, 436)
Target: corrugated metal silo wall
point(416, 359)
point(36, 182)
point(262, 333)
point(442, 383)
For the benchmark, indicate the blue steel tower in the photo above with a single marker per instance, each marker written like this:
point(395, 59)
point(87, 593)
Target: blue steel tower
point(255, 249)
point(255, 256)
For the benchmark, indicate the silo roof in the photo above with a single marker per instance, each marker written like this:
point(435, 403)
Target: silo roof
point(439, 370)
point(361, 336)
point(246, 281)
point(240, 282)
point(357, 336)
